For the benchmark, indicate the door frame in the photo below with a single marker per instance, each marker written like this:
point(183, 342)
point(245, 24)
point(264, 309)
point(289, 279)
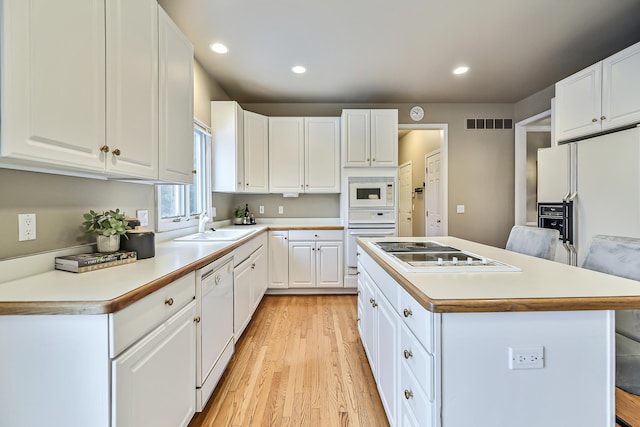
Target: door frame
point(520, 179)
point(444, 152)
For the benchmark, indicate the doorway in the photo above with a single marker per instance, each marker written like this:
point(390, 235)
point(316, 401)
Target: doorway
point(530, 135)
point(415, 141)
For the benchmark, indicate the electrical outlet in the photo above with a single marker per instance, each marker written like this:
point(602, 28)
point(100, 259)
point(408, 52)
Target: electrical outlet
point(26, 227)
point(526, 358)
point(143, 217)
point(261, 209)
point(281, 209)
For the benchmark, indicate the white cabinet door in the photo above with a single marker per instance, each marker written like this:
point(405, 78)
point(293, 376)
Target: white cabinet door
point(302, 264)
point(227, 141)
point(53, 56)
point(258, 277)
point(384, 138)
point(256, 152)
point(329, 264)
point(286, 154)
point(176, 102)
point(242, 297)
point(387, 355)
point(356, 138)
point(621, 88)
point(578, 103)
point(132, 88)
point(322, 154)
point(369, 339)
point(154, 381)
point(278, 259)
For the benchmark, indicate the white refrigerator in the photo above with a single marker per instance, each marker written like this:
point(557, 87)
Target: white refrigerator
point(601, 177)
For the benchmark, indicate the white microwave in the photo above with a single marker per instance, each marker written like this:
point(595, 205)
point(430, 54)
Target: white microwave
point(372, 192)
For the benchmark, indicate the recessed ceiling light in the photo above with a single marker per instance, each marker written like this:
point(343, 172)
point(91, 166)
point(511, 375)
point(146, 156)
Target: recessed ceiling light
point(299, 69)
point(219, 48)
point(461, 70)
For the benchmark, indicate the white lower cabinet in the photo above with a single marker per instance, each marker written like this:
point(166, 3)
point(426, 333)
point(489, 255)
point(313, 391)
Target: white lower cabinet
point(153, 382)
point(315, 259)
point(249, 282)
point(402, 366)
point(278, 259)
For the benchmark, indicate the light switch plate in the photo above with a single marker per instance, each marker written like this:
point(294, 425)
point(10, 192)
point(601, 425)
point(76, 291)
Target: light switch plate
point(460, 209)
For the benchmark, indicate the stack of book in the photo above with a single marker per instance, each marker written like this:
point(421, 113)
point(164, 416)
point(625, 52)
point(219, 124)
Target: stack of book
point(94, 261)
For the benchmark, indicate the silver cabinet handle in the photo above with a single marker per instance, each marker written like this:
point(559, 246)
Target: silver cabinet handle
point(408, 394)
point(169, 301)
point(197, 319)
point(408, 354)
point(407, 312)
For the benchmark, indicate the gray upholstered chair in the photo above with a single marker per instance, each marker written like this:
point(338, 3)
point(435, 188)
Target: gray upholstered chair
point(538, 242)
point(620, 256)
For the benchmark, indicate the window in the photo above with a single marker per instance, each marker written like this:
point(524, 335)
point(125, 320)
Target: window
point(180, 206)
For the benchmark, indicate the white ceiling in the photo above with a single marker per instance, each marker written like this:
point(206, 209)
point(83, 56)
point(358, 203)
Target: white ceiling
point(401, 50)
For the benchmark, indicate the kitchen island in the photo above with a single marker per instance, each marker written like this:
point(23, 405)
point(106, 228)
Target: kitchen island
point(529, 346)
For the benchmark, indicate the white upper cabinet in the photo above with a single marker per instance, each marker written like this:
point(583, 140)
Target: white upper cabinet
point(240, 149)
point(132, 87)
point(286, 154)
point(106, 90)
point(370, 138)
point(227, 132)
point(322, 154)
point(256, 152)
point(176, 102)
point(53, 82)
point(304, 154)
point(603, 96)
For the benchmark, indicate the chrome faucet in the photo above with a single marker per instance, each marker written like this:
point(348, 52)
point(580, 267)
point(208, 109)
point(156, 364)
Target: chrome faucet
point(202, 222)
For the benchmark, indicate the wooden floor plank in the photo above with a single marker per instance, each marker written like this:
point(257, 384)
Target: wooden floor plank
point(299, 362)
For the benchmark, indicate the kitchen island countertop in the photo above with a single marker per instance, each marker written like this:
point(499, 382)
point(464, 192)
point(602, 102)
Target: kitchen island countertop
point(541, 285)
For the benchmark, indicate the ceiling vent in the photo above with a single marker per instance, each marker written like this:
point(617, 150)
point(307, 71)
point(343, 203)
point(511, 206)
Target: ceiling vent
point(488, 124)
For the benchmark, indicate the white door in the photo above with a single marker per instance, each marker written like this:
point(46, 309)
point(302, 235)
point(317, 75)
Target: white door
point(329, 264)
point(241, 297)
point(175, 74)
point(256, 155)
point(384, 138)
point(278, 259)
point(405, 202)
point(433, 208)
point(286, 154)
point(154, 381)
point(302, 263)
point(356, 138)
point(322, 154)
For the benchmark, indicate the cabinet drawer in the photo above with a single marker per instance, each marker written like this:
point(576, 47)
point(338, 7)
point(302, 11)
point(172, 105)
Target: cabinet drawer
point(417, 359)
point(316, 235)
point(414, 399)
point(133, 322)
point(417, 318)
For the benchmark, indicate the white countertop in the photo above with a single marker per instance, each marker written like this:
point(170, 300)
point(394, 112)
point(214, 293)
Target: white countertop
point(540, 283)
point(51, 291)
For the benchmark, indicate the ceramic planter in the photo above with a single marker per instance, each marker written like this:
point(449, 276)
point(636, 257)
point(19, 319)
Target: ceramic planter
point(108, 243)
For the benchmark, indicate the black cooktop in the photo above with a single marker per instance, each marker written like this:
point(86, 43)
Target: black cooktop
point(415, 247)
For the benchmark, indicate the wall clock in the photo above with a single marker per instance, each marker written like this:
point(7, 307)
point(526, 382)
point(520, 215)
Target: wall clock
point(416, 113)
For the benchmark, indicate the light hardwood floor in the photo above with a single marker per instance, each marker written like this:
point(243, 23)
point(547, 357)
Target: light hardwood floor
point(299, 363)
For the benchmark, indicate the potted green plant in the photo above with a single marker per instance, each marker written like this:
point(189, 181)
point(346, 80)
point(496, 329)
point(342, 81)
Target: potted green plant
point(239, 213)
point(108, 227)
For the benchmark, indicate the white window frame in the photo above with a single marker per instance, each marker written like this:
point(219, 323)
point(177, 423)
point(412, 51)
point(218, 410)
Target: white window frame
point(189, 220)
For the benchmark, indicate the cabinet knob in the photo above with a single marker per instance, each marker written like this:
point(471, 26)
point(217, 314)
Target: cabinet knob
point(316, 235)
point(301, 185)
point(594, 120)
point(373, 160)
point(196, 319)
point(408, 354)
point(116, 152)
point(239, 183)
point(603, 118)
point(104, 148)
point(253, 266)
point(408, 394)
point(368, 159)
point(169, 301)
point(374, 304)
point(247, 184)
point(371, 300)
point(357, 253)
point(407, 312)
point(193, 171)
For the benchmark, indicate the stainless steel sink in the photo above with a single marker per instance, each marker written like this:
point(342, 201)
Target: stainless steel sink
point(224, 235)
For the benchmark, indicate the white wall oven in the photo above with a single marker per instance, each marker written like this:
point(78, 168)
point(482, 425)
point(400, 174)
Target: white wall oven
point(371, 213)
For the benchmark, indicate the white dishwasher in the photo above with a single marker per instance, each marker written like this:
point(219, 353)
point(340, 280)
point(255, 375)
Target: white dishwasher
point(214, 339)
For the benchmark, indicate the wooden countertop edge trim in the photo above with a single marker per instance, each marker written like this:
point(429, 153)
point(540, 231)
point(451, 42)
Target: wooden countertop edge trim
point(8, 308)
point(505, 305)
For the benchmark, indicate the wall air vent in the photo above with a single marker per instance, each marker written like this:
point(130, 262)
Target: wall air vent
point(488, 124)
